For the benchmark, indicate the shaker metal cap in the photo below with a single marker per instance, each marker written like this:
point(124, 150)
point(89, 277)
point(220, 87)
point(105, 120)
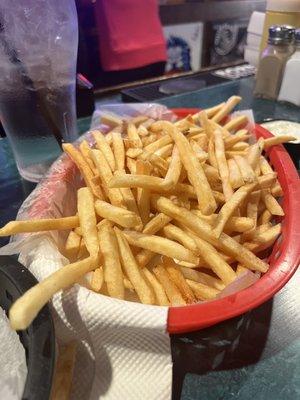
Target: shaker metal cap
point(281, 34)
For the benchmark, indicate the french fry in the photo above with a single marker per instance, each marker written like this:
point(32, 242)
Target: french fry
point(84, 169)
point(130, 201)
point(148, 140)
point(230, 206)
point(72, 246)
point(210, 219)
point(171, 290)
point(104, 147)
point(173, 173)
point(156, 224)
point(236, 122)
point(26, 307)
point(271, 203)
point(254, 153)
point(204, 231)
point(245, 168)
point(142, 131)
point(222, 164)
point(252, 210)
point(108, 136)
point(278, 140)
point(156, 161)
point(210, 255)
point(276, 190)
point(265, 217)
point(226, 108)
point(239, 224)
point(97, 279)
point(204, 121)
point(133, 136)
point(266, 181)
point(179, 280)
point(106, 175)
point(211, 153)
point(267, 235)
point(201, 263)
point(265, 167)
point(159, 143)
point(131, 165)
point(240, 146)
point(194, 169)
point(188, 191)
point(165, 151)
point(197, 134)
point(235, 224)
point(200, 154)
point(113, 275)
point(128, 285)
point(125, 218)
point(88, 221)
point(143, 195)
point(202, 277)
point(172, 232)
point(119, 151)
point(140, 181)
point(153, 226)
point(212, 173)
point(232, 153)
point(184, 124)
point(157, 287)
point(256, 247)
point(213, 110)
point(39, 225)
point(202, 292)
point(160, 245)
point(144, 257)
point(257, 170)
point(232, 140)
point(85, 151)
point(235, 176)
point(145, 293)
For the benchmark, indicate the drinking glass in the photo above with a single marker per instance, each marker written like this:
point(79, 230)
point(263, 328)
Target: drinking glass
point(38, 52)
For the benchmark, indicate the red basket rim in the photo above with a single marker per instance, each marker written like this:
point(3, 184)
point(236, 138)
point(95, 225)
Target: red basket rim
point(284, 259)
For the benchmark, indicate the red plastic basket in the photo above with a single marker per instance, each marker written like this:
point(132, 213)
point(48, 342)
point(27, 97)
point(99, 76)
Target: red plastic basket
point(284, 259)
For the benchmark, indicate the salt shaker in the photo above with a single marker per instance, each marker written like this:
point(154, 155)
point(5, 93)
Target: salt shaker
point(273, 59)
point(289, 89)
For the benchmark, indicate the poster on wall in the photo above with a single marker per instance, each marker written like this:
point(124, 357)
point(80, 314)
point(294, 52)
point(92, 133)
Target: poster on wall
point(227, 41)
point(184, 47)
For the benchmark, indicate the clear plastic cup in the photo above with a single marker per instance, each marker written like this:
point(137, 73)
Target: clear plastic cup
point(38, 52)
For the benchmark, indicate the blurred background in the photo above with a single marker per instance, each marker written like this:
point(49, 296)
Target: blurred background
point(197, 34)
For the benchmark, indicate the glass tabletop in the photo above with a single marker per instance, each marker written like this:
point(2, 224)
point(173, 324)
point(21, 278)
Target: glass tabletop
point(254, 355)
point(263, 109)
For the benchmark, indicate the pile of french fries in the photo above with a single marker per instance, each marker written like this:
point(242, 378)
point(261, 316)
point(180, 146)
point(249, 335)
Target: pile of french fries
point(170, 214)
